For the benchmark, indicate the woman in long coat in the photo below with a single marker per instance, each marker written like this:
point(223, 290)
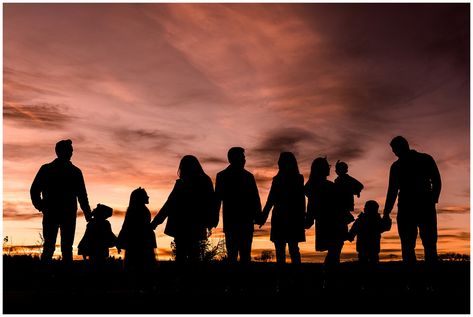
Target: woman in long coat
point(137, 238)
point(287, 221)
point(323, 206)
point(190, 209)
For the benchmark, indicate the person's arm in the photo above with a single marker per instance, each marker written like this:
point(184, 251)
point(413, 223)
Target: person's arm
point(310, 215)
point(167, 207)
point(255, 200)
point(436, 181)
point(36, 189)
point(354, 230)
point(82, 197)
point(393, 189)
point(267, 207)
point(357, 186)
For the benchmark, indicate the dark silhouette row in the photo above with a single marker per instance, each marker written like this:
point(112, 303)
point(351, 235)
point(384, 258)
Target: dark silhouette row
point(193, 207)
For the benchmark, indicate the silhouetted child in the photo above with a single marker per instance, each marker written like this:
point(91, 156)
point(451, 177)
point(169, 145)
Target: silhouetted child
point(98, 236)
point(368, 228)
point(348, 187)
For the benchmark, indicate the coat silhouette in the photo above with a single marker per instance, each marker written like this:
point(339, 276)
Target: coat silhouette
point(367, 229)
point(286, 198)
point(236, 188)
point(190, 209)
point(55, 191)
point(324, 207)
point(136, 235)
point(98, 236)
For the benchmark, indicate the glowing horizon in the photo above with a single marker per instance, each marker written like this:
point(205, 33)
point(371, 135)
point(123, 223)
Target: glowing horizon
point(137, 86)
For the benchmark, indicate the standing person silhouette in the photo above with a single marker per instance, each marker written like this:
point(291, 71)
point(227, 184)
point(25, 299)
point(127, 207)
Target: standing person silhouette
point(55, 191)
point(137, 238)
point(414, 180)
point(367, 229)
point(287, 221)
point(236, 189)
point(191, 213)
point(324, 207)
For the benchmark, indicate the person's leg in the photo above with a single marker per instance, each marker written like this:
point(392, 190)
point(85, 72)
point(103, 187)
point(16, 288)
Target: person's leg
point(244, 246)
point(68, 229)
point(363, 269)
point(407, 229)
point(331, 263)
point(50, 231)
point(280, 247)
point(295, 254)
point(231, 243)
point(428, 235)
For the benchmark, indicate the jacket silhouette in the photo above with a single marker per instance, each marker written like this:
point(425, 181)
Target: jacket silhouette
point(136, 236)
point(367, 229)
point(324, 208)
point(190, 209)
point(236, 188)
point(55, 191)
point(98, 236)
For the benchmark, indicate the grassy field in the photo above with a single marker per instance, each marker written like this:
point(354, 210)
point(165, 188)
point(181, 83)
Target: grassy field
point(30, 289)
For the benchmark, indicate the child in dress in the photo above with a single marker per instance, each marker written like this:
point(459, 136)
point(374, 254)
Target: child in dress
point(98, 236)
point(368, 228)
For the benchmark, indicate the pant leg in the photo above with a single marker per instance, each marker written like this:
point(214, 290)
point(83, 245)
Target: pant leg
point(280, 248)
point(407, 229)
point(244, 246)
point(50, 231)
point(294, 253)
point(68, 229)
point(428, 233)
point(231, 244)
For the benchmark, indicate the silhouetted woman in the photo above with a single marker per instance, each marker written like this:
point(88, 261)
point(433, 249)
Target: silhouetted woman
point(137, 238)
point(287, 221)
point(190, 210)
point(324, 207)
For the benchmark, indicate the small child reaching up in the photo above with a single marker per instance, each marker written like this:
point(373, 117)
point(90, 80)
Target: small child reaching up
point(98, 236)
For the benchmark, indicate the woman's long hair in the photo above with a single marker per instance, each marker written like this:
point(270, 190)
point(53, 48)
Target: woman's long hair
point(190, 168)
point(138, 197)
point(319, 169)
point(287, 164)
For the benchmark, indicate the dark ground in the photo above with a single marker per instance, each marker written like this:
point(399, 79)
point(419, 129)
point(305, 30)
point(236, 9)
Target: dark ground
point(30, 289)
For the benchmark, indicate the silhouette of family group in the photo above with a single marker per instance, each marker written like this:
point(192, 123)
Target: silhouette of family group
point(192, 209)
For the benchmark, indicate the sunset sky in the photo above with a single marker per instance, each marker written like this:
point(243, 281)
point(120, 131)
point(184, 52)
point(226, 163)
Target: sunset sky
point(137, 86)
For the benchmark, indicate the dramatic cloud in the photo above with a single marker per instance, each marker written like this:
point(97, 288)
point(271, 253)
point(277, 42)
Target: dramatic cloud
point(137, 86)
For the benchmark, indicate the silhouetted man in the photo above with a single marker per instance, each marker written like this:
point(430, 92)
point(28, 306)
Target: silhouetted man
point(415, 179)
point(54, 192)
point(236, 188)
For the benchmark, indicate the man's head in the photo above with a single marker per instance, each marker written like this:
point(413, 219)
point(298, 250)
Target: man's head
point(236, 157)
point(400, 146)
point(64, 149)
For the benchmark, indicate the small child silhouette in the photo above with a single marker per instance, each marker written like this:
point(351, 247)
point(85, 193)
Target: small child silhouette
point(348, 187)
point(368, 228)
point(98, 236)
